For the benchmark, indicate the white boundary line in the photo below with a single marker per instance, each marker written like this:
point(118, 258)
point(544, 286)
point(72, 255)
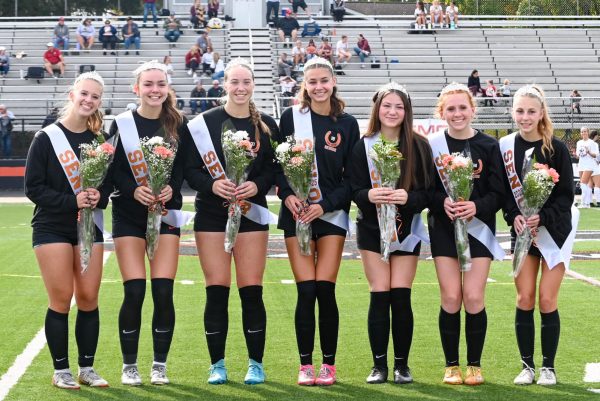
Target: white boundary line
point(24, 360)
point(581, 277)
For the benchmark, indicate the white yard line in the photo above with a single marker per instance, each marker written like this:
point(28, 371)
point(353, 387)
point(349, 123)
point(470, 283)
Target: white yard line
point(581, 277)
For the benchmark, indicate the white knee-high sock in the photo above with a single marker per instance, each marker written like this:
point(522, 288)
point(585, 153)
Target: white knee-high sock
point(597, 194)
point(587, 194)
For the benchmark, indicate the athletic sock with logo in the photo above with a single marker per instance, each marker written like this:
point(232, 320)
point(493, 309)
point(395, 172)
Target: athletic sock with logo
point(525, 330)
point(87, 329)
point(57, 335)
point(254, 320)
point(550, 336)
point(304, 320)
point(163, 318)
point(379, 326)
point(130, 319)
point(329, 320)
point(450, 334)
point(216, 321)
point(475, 330)
point(402, 324)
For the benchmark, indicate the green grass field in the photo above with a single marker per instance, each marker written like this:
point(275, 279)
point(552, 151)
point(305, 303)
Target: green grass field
point(23, 303)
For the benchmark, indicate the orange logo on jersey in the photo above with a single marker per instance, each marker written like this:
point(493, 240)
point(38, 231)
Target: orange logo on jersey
point(255, 147)
point(332, 141)
point(477, 170)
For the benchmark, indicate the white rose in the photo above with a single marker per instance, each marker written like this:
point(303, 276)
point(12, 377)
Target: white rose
point(240, 136)
point(155, 140)
point(282, 148)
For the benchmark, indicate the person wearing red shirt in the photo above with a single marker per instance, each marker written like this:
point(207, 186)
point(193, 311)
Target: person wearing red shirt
point(362, 49)
point(53, 60)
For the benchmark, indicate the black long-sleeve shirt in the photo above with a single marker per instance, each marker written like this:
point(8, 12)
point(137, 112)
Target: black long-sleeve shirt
point(333, 165)
point(555, 215)
point(47, 186)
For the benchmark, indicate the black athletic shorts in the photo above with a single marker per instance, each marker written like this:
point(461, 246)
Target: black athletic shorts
point(207, 223)
point(123, 227)
point(533, 249)
point(442, 241)
point(42, 236)
point(320, 229)
point(369, 240)
point(298, 3)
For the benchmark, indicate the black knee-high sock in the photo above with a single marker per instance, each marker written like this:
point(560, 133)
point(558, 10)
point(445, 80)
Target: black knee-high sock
point(57, 336)
point(130, 318)
point(450, 334)
point(402, 325)
point(87, 330)
point(379, 326)
point(304, 320)
point(525, 330)
point(550, 336)
point(254, 320)
point(163, 318)
point(475, 330)
point(216, 321)
point(329, 320)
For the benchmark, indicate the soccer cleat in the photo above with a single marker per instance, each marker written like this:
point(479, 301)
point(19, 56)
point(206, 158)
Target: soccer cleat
point(64, 379)
point(326, 375)
point(217, 373)
point(158, 375)
point(89, 377)
point(547, 377)
point(526, 377)
point(255, 374)
point(402, 375)
point(453, 375)
point(131, 376)
point(474, 376)
point(306, 375)
point(379, 374)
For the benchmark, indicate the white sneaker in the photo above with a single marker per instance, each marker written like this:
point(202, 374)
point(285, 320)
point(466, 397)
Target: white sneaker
point(362, 66)
point(131, 376)
point(64, 379)
point(190, 72)
point(89, 377)
point(547, 377)
point(525, 378)
point(158, 375)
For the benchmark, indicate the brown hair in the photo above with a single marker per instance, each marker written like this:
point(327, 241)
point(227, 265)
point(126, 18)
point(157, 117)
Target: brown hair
point(337, 104)
point(545, 126)
point(95, 122)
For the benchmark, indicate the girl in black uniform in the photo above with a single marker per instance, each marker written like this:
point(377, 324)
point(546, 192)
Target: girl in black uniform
point(390, 282)
point(250, 250)
point(55, 231)
point(156, 116)
point(335, 134)
point(530, 113)
point(457, 107)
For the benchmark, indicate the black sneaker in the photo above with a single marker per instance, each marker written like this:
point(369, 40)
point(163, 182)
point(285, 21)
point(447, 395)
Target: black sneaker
point(402, 375)
point(127, 53)
point(378, 375)
point(137, 53)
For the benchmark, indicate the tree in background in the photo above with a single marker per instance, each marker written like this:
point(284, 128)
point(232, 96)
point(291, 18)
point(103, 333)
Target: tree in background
point(57, 7)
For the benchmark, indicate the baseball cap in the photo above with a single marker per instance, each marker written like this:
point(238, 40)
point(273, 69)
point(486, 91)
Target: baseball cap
point(288, 12)
point(49, 44)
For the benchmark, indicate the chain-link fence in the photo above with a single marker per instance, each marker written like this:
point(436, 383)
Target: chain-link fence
point(530, 7)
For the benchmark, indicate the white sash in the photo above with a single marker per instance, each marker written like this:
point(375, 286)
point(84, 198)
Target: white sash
point(546, 244)
point(206, 149)
point(70, 164)
point(303, 133)
point(139, 168)
point(417, 229)
point(476, 228)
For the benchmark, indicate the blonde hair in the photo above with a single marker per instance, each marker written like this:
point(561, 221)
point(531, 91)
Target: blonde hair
point(452, 89)
point(545, 126)
point(337, 104)
point(95, 122)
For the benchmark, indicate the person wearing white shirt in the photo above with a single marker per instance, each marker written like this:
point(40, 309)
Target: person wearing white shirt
point(452, 15)
point(85, 35)
point(207, 60)
point(217, 66)
point(436, 13)
point(587, 151)
point(341, 50)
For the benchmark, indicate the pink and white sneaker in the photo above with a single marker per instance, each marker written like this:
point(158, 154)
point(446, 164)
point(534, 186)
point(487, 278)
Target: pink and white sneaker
point(306, 375)
point(326, 375)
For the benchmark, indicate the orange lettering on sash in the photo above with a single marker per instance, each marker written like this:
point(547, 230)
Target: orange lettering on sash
point(213, 165)
point(71, 168)
point(245, 206)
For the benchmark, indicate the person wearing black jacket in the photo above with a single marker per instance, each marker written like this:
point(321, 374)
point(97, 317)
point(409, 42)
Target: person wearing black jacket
point(205, 169)
point(335, 133)
point(456, 105)
point(55, 230)
point(390, 282)
point(156, 116)
point(108, 36)
point(530, 113)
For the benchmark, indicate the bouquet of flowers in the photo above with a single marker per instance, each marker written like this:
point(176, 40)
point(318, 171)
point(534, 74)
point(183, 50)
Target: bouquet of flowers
point(159, 157)
point(95, 158)
point(538, 182)
point(238, 157)
point(386, 158)
point(297, 163)
point(459, 170)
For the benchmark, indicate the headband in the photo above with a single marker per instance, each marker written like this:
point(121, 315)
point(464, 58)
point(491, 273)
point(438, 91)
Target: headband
point(454, 87)
point(150, 65)
point(93, 75)
point(316, 62)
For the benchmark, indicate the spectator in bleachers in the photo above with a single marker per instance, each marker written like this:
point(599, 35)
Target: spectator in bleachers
point(172, 27)
point(53, 60)
point(341, 50)
point(474, 84)
point(284, 66)
point(491, 92)
point(170, 70)
point(61, 34)
point(197, 16)
point(436, 14)
point(107, 35)
point(338, 10)
point(204, 41)
point(193, 58)
point(215, 92)
point(272, 8)
point(311, 28)
point(179, 103)
point(311, 49)
point(576, 99)
point(213, 8)
point(85, 35)
point(6, 126)
point(150, 6)
point(325, 50)
point(505, 89)
point(288, 90)
point(452, 15)
point(217, 66)
point(299, 4)
point(362, 49)
point(197, 99)
point(51, 117)
point(131, 34)
point(299, 53)
point(207, 59)
point(4, 61)
point(420, 15)
point(288, 28)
